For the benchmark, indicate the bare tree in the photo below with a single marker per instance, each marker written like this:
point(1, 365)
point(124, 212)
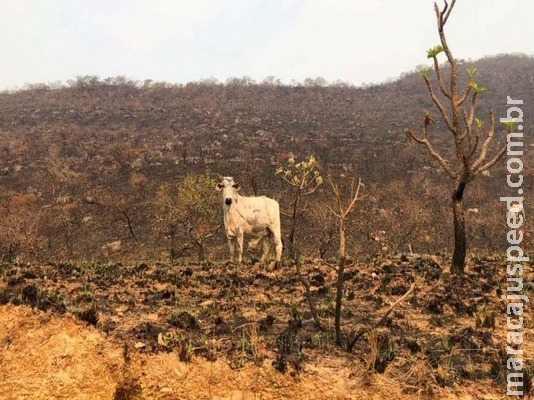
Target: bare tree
point(342, 212)
point(20, 214)
point(472, 140)
point(166, 213)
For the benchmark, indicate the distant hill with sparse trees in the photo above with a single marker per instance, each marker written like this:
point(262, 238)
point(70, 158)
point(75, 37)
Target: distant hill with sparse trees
point(94, 161)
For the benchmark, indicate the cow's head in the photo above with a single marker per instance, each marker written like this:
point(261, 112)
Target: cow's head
point(229, 190)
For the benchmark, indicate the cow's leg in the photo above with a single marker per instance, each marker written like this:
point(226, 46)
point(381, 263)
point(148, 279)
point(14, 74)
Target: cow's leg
point(277, 238)
point(231, 247)
point(239, 242)
point(265, 245)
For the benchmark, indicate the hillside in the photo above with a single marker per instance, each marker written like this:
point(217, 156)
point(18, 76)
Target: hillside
point(81, 164)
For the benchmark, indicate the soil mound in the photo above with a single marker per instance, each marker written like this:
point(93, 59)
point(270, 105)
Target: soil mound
point(45, 357)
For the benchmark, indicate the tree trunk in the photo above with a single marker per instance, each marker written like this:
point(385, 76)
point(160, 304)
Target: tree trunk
point(460, 242)
point(309, 296)
point(342, 240)
point(129, 222)
point(339, 299)
point(340, 281)
point(172, 252)
point(201, 251)
point(292, 250)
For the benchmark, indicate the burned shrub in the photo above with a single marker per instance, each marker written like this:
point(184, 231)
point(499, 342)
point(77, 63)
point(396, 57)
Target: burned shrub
point(41, 299)
point(183, 320)
point(429, 269)
point(265, 324)
point(384, 354)
point(89, 315)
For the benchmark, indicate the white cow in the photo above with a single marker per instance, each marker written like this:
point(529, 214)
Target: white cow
point(254, 218)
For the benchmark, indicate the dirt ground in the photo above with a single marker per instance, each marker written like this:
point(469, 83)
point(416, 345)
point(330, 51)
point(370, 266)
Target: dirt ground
point(213, 332)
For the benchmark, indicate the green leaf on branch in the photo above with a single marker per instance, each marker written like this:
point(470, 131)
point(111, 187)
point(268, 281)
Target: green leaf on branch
point(472, 73)
point(478, 89)
point(301, 174)
point(424, 72)
point(510, 124)
point(434, 51)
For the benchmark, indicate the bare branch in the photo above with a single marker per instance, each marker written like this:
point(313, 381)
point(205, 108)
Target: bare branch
point(311, 190)
point(337, 197)
point(442, 17)
point(438, 12)
point(441, 82)
point(438, 104)
point(473, 140)
point(381, 320)
point(209, 235)
point(333, 212)
point(405, 238)
point(474, 146)
point(492, 162)
point(486, 144)
point(442, 162)
point(333, 267)
point(465, 96)
point(468, 130)
point(413, 136)
point(471, 117)
point(287, 180)
point(355, 198)
point(448, 11)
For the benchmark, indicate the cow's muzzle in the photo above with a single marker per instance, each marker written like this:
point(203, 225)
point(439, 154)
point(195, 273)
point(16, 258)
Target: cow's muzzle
point(228, 201)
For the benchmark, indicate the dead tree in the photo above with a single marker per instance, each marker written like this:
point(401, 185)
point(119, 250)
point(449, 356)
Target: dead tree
point(472, 140)
point(342, 212)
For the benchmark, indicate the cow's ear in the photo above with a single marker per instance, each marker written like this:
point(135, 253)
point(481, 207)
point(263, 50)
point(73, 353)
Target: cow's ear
point(219, 186)
point(236, 186)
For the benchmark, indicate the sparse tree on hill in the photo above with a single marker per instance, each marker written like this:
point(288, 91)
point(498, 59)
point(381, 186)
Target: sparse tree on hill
point(472, 139)
point(20, 218)
point(187, 212)
point(166, 214)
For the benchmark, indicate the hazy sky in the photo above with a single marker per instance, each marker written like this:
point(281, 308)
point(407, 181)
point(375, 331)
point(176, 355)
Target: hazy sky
point(187, 40)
